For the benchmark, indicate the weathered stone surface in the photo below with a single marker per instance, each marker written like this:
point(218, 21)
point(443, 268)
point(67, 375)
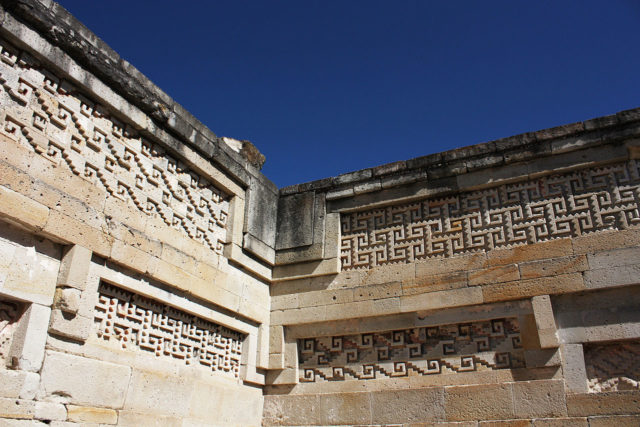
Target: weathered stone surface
point(408, 406)
point(50, 411)
point(472, 403)
point(295, 221)
point(81, 381)
point(533, 399)
point(88, 414)
point(27, 345)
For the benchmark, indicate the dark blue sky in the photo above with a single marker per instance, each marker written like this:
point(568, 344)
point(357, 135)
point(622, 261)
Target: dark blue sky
point(327, 87)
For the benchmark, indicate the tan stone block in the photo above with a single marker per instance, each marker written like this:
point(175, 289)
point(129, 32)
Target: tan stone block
point(76, 327)
point(607, 403)
point(534, 399)
point(18, 384)
point(64, 228)
point(178, 258)
point(346, 408)
point(551, 249)
point(351, 310)
point(74, 267)
point(212, 293)
point(408, 406)
point(436, 282)
point(89, 414)
point(50, 411)
point(209, 273)
point(472, 402)
point(73, 379)
point(435, 266)
point(390, 273)
point(287, 376)
point(284, 302)
point(560, 422)
point(532, 287)
point(29, 338)
point(441, 299)
point(605, 240)
point(497, 274)
point(120, 211)
point(505, 423)
point(444, 424)
point(293, 410)
point(615, 420)
point(21, 210)
point(17, 408)
point(385, 290)
point(545, 321)
point(276, 361)
point(31, 276)
point(553, 267)
point(130, 256)
point(146, 419)
point(158, 393)
point(300, 315)
point(135, 238)
point(276, 339)
point(316, 298)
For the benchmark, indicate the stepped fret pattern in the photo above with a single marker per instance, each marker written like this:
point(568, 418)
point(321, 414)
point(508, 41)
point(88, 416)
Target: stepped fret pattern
point(47, 115)
point(557, 206)
point(131, 321)
point(613, 367)
point(448, 349)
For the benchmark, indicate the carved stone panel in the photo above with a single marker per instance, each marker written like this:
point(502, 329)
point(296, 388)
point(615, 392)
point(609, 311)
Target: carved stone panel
point(446, 349)
point(613, 366)
point(552, 207)
point(136, 323)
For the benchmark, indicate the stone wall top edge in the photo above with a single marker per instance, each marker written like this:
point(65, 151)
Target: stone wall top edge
point(499, 152)
point(63, 30)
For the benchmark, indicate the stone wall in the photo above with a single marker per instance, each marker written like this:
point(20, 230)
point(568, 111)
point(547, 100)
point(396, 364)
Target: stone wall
point(495, 284)
point(135, 269)
point(151, 275)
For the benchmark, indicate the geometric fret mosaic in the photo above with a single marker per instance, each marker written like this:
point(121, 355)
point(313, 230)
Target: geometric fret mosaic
point(134, 322)
point(551, 207)
point(47, 115)
point(446, 349)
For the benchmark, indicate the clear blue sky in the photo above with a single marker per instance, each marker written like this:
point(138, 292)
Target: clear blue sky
point(327, 87)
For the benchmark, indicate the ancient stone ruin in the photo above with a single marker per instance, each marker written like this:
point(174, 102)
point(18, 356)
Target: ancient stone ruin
point(151, 275)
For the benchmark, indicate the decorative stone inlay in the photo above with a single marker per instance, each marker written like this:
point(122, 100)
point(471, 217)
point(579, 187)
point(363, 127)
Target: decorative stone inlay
point(10, 312)
point(552, 207)
point(48, 115)
point(447, 349)
point(613, 366)
point(134, 322)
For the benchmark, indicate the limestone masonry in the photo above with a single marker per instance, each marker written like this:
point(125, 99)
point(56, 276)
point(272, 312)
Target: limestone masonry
point(151, 275)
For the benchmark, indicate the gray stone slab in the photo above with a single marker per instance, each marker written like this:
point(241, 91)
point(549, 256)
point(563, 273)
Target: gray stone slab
point(295, 220)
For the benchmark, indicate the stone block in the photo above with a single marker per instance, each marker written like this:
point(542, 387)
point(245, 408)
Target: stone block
point(158, 393)
point(295, 220)
point(441, 299)
point(332, 236)
point(67, 300)
point(553, 267)
point(551, 249)
point(142, 419)
point(615, 420)
point(408, 406)
point(505, 423)
point(614, 258)
point(333, 296)
point(293, 410)
point(22, 210)
point(435, 282)
point(614, 276)
point(575, 372)
point(64, 228)
point(607, 403)
point(542, 358)
point(606, 240)
point(472, 402)
point(390, 273)
point(18, 384)
point(261, 212)
point(532, 287)
point(346, 408)
point(50, 411)
point(533, 399)
point(31, 276)
point(259, 248)
point(17, 408)
point(375, 292)
point(76, 327)
point(561, 422)
point(545, 321)
point(130, 256)
point(89, 414)
point(78, 380)
point(27, 346)
point(497, 274)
